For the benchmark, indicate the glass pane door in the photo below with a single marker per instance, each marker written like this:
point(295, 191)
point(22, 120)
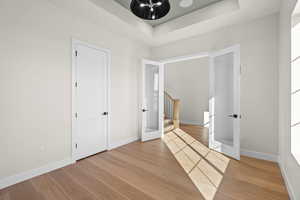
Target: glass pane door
point(224, 103)
point(152, 100)
point(152, 97)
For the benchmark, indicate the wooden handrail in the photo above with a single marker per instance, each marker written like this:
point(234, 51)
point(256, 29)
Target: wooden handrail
point(176, 108)
point(176, 113)
point(169, 96)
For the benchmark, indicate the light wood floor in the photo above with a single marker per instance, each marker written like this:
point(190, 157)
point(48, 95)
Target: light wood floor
point(198, 132)
point(147, 171)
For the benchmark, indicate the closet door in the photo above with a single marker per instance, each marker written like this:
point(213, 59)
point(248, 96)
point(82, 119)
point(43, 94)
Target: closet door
point(91, 91)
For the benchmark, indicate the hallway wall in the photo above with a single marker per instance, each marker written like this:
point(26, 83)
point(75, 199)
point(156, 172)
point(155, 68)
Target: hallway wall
point(189, 82)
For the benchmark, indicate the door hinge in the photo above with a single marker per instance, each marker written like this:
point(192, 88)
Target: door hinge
point(76, 145)
point(76, 53)
point(76, 115)
point(76, 84)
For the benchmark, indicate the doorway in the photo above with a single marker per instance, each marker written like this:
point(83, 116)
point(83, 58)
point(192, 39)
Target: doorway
point(188, 82)
point(90, 100)
point(224, 99)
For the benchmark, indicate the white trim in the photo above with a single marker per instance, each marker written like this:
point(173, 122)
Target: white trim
point(287, 182)
point(259, 155)
point(108, 98)
point(184, 58)
point(123, 142)
point(11, 180)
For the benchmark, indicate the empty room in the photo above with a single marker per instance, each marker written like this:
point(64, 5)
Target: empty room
point(150, 99)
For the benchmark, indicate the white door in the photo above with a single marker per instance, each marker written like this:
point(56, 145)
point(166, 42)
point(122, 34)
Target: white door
point(152, 103)
point(91, 104)
point(224, 102)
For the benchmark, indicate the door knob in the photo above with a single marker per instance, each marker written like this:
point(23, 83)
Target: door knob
point(144, 110)
point(105, 113)
point(233, 116)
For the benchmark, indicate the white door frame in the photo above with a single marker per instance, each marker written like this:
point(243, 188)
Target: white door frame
point(74, 137)
point(236, 88)
point(161, 104)
point(235, 48)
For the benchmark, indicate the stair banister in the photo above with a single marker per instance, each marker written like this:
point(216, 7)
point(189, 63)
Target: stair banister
point(176, 113)
point(172, 109)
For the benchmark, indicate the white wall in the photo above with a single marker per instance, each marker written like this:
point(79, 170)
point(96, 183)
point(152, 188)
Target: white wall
point(259, 94)
point(35, 80)
point(189, 82)
point(290, 168)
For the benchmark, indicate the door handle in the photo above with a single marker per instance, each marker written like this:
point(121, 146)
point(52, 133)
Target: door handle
point(233, 116)
point(144, 110)
point(105, 113)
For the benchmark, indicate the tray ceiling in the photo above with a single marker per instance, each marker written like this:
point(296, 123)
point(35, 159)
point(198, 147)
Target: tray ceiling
point(176, 10)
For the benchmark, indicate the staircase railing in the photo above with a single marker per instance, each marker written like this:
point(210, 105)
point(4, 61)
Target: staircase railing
point(171, 109)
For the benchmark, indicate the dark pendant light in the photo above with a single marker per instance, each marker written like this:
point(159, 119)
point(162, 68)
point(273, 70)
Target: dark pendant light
point(150, 9)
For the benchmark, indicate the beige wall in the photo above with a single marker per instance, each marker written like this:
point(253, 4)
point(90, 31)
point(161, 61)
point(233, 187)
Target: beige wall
point(288, 163)
point(189, 82)
point(259, 79)
point(35, 81)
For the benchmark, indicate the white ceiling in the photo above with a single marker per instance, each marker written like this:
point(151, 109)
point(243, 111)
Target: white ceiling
point(176, 11)
point(215, 16)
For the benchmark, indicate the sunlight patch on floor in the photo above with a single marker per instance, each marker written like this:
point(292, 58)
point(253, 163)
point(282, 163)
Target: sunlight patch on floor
point(205, 167)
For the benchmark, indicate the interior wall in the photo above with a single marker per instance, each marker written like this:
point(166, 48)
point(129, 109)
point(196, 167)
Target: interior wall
point(189, 82)
point(259, 78)
point(35, 80)
point(289, 165)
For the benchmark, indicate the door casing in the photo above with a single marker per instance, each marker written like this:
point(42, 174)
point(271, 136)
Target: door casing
point(236, 50)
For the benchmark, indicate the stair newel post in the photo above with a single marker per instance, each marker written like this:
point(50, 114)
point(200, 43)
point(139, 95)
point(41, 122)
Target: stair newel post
point(176, 113)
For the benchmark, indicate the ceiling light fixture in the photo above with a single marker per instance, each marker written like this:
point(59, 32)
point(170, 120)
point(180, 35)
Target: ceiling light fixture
point(186, 3)
point(150, 9)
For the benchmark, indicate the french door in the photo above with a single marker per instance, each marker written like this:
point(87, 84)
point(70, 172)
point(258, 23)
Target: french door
point(152, 102)
point(224, 102)
point(90, 100)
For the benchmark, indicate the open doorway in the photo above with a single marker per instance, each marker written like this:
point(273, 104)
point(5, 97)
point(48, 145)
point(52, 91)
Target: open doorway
point(187, 83)
point(196, 101)
point(224, 100)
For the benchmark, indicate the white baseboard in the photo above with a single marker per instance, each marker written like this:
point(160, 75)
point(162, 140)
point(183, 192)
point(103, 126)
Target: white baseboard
point(11, 180)
point(287, 183)
point(123, 142)
point(259, 155)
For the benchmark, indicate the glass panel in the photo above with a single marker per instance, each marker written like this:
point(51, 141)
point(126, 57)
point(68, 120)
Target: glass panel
point(223, 98)
point(295, 109)
point(296, 75)
point(152, 97)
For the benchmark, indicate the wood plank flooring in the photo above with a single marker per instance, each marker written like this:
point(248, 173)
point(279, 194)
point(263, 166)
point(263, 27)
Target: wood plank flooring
point(198, 132)
point(147, 171)
point(248, 178)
